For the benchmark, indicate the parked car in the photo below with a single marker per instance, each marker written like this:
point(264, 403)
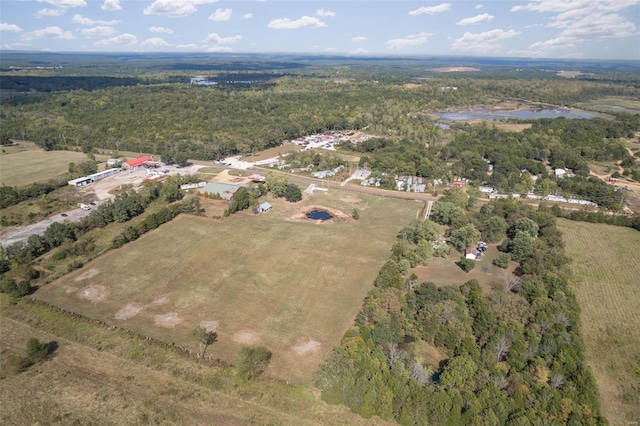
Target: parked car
point(64, 215)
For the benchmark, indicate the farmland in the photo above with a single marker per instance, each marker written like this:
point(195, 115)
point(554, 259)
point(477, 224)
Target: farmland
point(24, 166)
point(271, 279)
point(606, 266)
point(111, 377)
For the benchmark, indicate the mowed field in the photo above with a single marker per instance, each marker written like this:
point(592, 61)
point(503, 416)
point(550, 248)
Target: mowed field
point(22, 167)
point(273, 279)
point(606, 266)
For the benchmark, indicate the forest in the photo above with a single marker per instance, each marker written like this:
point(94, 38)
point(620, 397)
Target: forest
point(514, 355)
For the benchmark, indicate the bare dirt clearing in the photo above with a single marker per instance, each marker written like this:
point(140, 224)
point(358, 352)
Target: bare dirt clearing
point(88, 274)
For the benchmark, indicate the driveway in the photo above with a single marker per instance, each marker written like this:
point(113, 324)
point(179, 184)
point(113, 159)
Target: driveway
point(22, 233)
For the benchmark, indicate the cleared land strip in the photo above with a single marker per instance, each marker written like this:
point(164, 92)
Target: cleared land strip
point(606, 266)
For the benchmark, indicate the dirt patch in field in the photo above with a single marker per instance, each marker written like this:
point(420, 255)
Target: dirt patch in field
point(160, 301)
point(306, 345)
point(95, 293)
point(88, 274)
point(128, 311)
point(338, 216)
point(246, 337)
point(210, 325)
point(169, 320)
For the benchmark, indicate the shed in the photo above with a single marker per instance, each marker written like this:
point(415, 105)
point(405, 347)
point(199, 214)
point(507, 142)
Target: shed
point(470, 253)
point(264, 207)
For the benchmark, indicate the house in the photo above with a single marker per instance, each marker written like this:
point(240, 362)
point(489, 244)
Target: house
point(486, 189)
point(560, 173)
point(264, 207)
point(470, 253)
point(223, 190)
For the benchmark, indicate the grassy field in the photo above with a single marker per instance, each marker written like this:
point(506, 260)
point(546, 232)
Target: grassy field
point(272, 279)
point(606, 266)
point(101, 376)
point(24, 166)
point(612, 105)
point(443, 271)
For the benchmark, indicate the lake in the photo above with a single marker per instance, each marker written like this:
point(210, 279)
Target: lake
point(524, 114)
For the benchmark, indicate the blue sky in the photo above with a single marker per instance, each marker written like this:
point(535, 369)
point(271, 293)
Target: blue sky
point(593, 29)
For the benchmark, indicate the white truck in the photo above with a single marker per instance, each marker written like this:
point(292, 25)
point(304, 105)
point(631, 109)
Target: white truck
point(85, 207)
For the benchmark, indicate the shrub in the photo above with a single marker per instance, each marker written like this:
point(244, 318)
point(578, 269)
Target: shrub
point(502, 261)
point(466, 264)
point(253, 361)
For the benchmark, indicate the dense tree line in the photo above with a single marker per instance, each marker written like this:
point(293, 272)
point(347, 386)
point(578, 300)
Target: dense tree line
point(513, 355)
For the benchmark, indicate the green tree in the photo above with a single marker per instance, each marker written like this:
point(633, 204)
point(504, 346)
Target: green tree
point(521, 246)
point(524, 224)
point(37, 351)
point(204, 338)
point(466, 236)
point(253, 361)
point(458, 372)
point(293, 194)
point(493, 229)
point(276, 183)
point(447, 213)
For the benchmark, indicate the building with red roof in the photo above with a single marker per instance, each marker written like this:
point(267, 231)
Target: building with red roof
point(136, 162)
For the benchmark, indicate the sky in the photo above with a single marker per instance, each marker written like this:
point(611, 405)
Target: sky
point(580, 29)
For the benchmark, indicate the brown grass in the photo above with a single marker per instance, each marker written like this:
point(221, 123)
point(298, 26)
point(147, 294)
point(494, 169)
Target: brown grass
point(101, 376)
point(606, 266)
point(266, 276)
point(443, 271)
point(34, 165)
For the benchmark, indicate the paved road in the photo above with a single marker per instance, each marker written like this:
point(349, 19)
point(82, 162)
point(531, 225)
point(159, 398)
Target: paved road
point(24, 232)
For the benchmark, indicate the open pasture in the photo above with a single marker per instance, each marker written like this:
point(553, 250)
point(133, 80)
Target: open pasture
point(612, 105)
point(291, 285)
point(22, 167)
point(606, 266)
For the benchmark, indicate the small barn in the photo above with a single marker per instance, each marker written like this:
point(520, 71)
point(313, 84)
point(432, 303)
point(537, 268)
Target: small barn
point(264, 207)
point(471, 253)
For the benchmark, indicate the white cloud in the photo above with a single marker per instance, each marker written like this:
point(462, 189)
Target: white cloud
point(214, 38)
point(79, 19)
point(479, 6)
point(581, 21)
point(65, 4)
point(121, 39)
point(111, 5)
point(175, 8)
point(154, 42)
point(160, 30)
point(322, 12)
point(10, 27)
point(359, 52)
point(431, 10)
point(288, 24)
point(247, 15)
point(49, 12)
point(482, 42)
point(49, 32)
point(221, 15)
point(99, 31)
point(358, 39)
point(478, 19)
point(410, 40)
point(331, 49)
point(6, 47)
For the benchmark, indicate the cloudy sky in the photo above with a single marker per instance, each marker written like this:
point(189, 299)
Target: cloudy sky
point(594, 29)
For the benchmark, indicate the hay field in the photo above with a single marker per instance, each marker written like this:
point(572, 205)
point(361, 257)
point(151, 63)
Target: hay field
point(291, 285)
point(606, 266)
point(34, 165)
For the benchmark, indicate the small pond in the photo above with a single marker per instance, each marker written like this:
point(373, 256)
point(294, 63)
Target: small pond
point(524, 114)
point(319, 215)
